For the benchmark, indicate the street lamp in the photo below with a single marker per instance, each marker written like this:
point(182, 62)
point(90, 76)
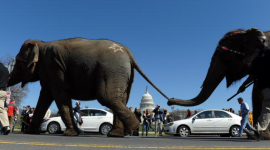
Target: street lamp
point(172, 107)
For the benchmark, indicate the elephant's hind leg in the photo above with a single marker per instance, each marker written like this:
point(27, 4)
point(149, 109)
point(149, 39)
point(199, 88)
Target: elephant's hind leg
point(117, 128)
point(125, 121)
point(127, 118)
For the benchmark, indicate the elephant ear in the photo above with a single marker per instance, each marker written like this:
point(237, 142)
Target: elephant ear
point(33, 58)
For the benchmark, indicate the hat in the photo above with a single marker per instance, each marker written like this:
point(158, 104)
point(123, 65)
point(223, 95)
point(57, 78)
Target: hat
point(28, 106)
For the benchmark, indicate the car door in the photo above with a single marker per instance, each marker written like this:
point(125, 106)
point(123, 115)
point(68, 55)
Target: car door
point(86, 119)
point(203, 123)
point(222, 121)
point(97, 118)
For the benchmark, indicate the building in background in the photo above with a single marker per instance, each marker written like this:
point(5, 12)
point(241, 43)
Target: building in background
point(147, 102)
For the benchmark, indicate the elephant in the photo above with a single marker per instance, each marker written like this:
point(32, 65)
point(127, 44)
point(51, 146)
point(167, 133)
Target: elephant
point(80, 69)
point(232, 59)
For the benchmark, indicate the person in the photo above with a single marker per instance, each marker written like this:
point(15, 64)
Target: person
point(31, 115)
point(26, 118)
point(77, 116)
point(239, 113)
point(12, 109)
point(147, 120)
point(244, 113)
point(22, 114)
point(138, 115)
point(196, 111)
point(260, 73)
point(15, 119)
point(250, 119)
point(231, 110)
point(170, 119)
point(47, 115)
point(189, 114)
point(3, 95)
point(164, 115)
point(158, 120)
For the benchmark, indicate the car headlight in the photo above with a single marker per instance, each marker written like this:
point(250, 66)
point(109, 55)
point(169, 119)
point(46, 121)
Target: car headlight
point(170, 124)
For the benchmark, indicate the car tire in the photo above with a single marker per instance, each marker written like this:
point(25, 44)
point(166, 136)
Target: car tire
point(105, 129)
point(234, 130)
point(183, 131)
point(53, 128)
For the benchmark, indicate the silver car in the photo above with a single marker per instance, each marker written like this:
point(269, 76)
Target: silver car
point(206, 122)
point(94, 120)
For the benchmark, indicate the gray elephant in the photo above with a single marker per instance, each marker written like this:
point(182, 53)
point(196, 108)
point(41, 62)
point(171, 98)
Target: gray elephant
point(232, 60)
point(79, 69)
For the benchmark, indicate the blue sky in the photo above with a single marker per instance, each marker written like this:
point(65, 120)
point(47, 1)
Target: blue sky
point(172, 41)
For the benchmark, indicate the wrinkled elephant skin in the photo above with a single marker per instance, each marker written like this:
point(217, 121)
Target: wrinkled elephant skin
point(79, 69)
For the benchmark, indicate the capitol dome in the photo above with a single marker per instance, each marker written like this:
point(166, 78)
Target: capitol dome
point(147, 102)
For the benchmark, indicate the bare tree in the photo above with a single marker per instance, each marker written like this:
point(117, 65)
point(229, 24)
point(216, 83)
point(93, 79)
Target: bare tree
point(17, 93)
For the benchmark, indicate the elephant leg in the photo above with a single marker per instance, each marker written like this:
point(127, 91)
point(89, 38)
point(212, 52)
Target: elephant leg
point(44, 102)
point(114, 94)
point(123, 116)
point(257, 99)
point(117, 128)
point(64, 104)
point(126, 117)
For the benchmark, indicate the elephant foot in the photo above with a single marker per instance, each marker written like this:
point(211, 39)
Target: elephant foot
point(32, 131)
point(70, 132)
point(116, 133)
point(265, 135)
point(130, 128)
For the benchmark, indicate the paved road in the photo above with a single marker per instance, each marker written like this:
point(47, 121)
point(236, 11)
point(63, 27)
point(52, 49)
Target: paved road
point(20, 141)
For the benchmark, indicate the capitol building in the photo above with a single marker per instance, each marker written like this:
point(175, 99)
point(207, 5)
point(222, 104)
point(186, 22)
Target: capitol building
point(147, 102)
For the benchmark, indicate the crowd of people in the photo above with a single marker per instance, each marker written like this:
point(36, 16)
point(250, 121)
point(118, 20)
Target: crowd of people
point(159, 118)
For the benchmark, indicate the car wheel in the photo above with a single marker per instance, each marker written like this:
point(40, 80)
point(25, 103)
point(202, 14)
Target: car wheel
point(234, 130)
point(105, 129)
point(183, 131)
point(53, 128)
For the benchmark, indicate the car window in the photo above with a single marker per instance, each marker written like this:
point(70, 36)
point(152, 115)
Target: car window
point(97, 113)
point(221, 114)
point(205, 114)
point(85, 112)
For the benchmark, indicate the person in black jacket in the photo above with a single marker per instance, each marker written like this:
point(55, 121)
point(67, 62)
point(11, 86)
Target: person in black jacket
point(26, 118)
point(138, 115)
point(158, 120)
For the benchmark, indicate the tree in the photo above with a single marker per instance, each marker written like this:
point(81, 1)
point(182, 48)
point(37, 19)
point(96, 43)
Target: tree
point(17, 93)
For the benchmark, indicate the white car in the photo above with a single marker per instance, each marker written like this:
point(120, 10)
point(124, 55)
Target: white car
point(94, 120)
point(206, 122)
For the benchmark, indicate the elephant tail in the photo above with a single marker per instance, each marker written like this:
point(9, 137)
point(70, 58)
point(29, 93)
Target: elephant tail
point(136, 66)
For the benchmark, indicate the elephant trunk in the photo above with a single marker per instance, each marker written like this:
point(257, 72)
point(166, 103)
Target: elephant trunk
point(214, 76)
